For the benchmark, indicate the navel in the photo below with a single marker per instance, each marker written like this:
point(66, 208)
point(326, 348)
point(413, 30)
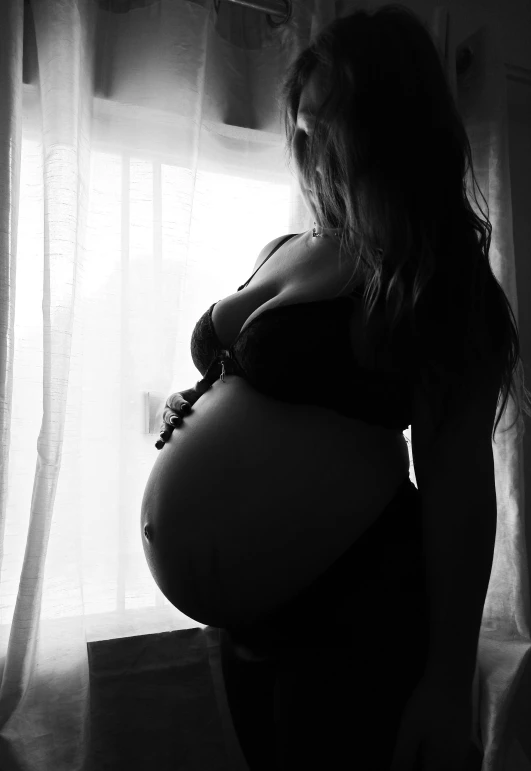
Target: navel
point(148, 532)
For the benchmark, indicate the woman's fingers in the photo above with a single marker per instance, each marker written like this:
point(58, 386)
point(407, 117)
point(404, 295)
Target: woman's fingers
point(166, 428)
point(177, 403)
point(171, 417)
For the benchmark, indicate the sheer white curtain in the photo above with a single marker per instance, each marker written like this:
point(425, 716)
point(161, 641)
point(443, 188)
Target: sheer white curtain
point(142, 170)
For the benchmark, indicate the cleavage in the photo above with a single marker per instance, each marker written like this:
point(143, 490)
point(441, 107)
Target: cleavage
point(232, 314)
point(282, 281)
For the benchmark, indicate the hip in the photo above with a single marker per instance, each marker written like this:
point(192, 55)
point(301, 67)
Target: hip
point(377, 584)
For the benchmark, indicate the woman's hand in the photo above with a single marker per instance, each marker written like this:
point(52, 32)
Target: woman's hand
point(435, 732)
point(177, 406)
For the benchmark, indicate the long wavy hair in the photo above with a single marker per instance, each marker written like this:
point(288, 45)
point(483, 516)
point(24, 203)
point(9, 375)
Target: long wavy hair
point(394, 155)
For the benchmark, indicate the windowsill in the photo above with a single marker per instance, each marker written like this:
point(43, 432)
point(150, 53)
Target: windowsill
point(130, 623)
point(114, 625)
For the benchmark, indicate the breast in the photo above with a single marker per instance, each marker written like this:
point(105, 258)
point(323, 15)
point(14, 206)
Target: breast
point(252, 499)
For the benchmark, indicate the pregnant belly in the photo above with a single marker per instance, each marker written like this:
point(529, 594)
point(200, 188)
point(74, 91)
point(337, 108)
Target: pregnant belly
point(252, 499)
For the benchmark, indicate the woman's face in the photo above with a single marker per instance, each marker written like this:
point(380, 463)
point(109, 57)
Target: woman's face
point(312, 96)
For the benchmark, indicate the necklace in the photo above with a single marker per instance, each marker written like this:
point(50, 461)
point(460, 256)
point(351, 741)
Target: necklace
point(336, 232)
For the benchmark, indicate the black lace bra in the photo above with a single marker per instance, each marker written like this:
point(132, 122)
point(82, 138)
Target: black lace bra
point(302, 354)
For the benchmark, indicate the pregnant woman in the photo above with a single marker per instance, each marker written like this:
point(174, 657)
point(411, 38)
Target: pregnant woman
point(349, 602)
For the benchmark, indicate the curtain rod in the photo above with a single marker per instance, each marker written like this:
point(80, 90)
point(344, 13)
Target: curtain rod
point(267, 6)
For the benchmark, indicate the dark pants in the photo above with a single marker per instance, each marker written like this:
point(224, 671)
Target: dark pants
point(333, 669)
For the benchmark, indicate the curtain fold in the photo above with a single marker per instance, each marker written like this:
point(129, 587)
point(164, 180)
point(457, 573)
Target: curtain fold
point(503, 667)
point(142, 170)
